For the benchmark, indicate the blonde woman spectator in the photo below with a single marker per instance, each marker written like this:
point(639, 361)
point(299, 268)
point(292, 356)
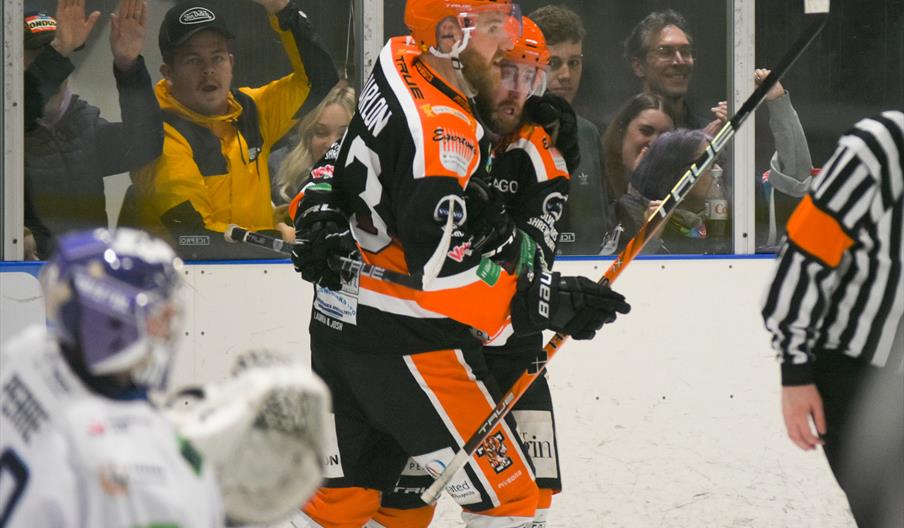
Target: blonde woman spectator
point(316, 132)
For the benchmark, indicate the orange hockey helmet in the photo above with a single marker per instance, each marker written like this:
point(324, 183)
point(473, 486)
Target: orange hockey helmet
point(530, 56)
point(422, 16)
point(531, 48)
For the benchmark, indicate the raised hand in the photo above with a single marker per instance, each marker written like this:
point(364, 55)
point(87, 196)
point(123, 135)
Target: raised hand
point(73, 27)
point(128, 26)
point(777, 89)
point(272, 6)
point(721, 113)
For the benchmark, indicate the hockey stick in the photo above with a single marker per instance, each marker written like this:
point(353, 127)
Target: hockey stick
point(655, 223)
point(235, 233)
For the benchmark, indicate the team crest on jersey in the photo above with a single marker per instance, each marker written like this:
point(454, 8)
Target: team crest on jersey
point(493, 448)
point(554, 205)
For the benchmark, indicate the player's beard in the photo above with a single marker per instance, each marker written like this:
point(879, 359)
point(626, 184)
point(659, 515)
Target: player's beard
point(499, 123)
point(484, 76)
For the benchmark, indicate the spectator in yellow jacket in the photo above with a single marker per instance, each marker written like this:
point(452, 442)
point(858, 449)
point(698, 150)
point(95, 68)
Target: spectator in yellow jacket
point(213, 170)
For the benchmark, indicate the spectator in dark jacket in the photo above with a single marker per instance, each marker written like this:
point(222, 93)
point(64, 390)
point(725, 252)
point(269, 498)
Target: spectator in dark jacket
point(69, 148)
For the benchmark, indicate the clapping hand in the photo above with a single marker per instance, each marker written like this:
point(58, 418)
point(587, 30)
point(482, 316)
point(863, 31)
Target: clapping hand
point(128, 26)
point(73, 27)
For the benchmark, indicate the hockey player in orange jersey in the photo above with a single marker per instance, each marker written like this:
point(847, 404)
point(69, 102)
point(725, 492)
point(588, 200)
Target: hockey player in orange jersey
point(527, 189)
point(405, 366)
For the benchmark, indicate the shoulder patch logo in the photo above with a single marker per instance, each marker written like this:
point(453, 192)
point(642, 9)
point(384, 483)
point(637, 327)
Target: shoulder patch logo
point(435, 110)
point(456, 151)
point(196, 15)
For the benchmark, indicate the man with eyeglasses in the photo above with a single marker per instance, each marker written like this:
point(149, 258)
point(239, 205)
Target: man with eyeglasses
point(588, 214)
point(661, 54)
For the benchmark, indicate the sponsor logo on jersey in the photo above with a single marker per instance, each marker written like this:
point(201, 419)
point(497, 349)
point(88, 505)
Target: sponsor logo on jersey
point(459, 252)
point(332, 459)
point(113, 480)
point(506, 186)
point(96, 429)
point(117, 479)
point(456, 150)
point(582, 177)
point(323, 172)
point(373, 108)
point(537, 435)
point(405, 73)
point(495, 452)
point(435, 110)
point(340, 306)
point(459, 210)
point(413, 469)
point(22, 409)
point(559, 161)
point(489, 272)
point(197, 15)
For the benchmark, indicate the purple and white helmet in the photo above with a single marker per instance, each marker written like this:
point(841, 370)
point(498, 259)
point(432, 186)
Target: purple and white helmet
point(111, 296)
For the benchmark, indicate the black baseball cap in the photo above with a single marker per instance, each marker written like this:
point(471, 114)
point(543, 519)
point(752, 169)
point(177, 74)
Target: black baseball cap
point(40, 29)
point(187, 18)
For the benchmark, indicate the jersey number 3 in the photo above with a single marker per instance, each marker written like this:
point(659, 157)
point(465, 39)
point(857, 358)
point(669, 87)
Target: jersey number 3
point(371, 233)
point(11, 468)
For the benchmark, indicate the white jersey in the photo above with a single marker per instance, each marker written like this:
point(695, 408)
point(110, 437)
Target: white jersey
point(72, 458)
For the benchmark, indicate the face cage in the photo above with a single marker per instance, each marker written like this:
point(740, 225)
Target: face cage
point(515, 79)
point(148, 358)
point(160, 327)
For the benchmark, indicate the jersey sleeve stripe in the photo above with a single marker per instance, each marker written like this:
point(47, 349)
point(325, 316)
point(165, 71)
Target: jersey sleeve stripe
point(818, 233)
point(892, 139)
point(409, 107)
point(874, 155)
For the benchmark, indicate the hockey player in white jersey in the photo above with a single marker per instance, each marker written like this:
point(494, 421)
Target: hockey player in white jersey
point(80, 444)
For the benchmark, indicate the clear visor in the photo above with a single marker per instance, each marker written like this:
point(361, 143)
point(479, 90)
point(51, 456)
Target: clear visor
point(501, 22)
point(523, 78)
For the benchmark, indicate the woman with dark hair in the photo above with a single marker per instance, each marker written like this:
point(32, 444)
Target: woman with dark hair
point(660, 167)
point(637, 124)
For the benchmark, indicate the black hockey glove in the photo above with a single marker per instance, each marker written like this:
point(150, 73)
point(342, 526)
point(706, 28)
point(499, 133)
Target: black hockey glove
point(321, 241)
point(557, 117)
point(574, 306)
point(488, 221)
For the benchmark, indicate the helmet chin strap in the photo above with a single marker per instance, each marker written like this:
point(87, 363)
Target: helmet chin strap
point(453, 55)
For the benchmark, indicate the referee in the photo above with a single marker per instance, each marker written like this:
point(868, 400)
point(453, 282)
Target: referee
point(835, 309)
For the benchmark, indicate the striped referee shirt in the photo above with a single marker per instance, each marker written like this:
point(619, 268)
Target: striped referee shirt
point(838, 279)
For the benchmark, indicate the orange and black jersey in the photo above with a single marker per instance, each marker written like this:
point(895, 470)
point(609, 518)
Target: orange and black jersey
point(530, 174)
point(404, 162)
